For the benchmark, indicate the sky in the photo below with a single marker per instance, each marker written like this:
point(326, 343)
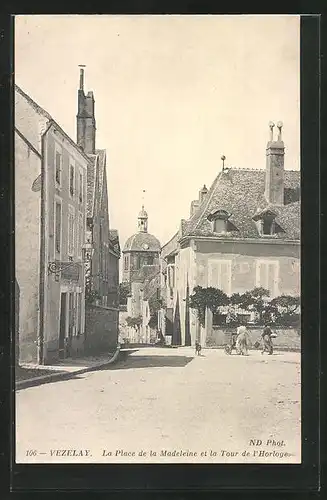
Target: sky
point(172, 95)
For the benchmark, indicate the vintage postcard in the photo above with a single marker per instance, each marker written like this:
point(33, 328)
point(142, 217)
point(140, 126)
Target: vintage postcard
point(157, 239)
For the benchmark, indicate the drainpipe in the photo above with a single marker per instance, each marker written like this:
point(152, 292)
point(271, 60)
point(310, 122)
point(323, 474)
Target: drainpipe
point(43, 256)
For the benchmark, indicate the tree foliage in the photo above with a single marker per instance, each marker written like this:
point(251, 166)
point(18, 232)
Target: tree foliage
point(124, 291)
point(281, 311)
point(134, 322)
point(209, 297)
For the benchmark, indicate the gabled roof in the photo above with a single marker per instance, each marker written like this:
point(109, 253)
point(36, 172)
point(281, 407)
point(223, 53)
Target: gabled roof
point(45, 114)
point(95, 173)
point(90, 188)
point(171, 246)
point(113, 234)
point(114, 240)
point(101, 153)
point(241, 193)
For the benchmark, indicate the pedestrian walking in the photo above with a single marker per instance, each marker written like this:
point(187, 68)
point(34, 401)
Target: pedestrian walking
point(267, 340)
point(242, 341)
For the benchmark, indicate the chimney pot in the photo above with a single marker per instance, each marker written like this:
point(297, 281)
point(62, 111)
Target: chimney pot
point(271, 126)
point(274, 182)
point(279, 126)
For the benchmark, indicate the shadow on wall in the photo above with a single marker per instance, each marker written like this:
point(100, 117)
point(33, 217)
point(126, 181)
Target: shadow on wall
point(133, 362)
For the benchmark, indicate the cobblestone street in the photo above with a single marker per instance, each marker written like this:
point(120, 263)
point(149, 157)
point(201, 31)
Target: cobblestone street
point(172, 406)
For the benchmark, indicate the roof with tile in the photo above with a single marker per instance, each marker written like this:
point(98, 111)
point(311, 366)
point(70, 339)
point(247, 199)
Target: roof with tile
point(95, 178)
point(142, 242)
point(47, 115)
point(113, 234)
point(240, 192)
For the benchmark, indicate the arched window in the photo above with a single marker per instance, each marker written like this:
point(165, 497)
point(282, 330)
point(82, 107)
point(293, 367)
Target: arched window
point(126, 263)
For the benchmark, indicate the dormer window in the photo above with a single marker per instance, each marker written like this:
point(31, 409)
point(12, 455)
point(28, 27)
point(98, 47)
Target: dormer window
point(219, 225)
point(267, 226)
point(266, 223)
point(220, 222)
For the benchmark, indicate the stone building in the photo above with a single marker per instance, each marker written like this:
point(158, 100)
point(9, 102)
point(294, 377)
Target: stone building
point(141, 249)
point(244, 232)
point(50, 219)
point(102, 314)
point(141, 271)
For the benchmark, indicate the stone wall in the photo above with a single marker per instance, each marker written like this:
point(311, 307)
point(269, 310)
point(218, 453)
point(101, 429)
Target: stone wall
point(27, 238)
point(288, 338)
point(101, 329)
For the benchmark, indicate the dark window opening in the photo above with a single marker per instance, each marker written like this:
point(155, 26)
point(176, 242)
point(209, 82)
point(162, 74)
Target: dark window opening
point(219, 319)
point(126, 263)
point(244, 318)
point(71, 180)
point(268, 226)
point(149, 260)
point(81, 188)
point(58, 168)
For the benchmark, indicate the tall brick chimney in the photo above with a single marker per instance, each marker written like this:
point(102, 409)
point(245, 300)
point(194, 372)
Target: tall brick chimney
point(86, 126)
point(274, 188)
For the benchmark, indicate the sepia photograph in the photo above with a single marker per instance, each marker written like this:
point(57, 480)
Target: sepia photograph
point(157, 236)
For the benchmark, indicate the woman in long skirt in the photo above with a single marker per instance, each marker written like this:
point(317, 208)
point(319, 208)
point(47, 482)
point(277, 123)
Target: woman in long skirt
point(243, 341)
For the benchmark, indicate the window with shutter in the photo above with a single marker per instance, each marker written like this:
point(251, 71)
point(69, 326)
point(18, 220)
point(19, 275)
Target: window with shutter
point(219, 275)
point(58, 168)
point(80, 235)
point(81, 187)
point(58, 228)
point(267, 276)
point(71, 180)
point(71, 230)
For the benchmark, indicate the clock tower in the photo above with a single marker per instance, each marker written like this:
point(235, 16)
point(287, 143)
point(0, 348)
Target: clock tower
point(141, 249)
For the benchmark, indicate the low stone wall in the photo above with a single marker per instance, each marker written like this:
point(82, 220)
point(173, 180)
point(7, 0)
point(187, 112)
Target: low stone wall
point(287, 338)
point(101, 329)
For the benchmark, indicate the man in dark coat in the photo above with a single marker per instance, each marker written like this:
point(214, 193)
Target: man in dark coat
point(266, 340)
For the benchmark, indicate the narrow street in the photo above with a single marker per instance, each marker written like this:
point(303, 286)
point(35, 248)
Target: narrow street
point(170, 402)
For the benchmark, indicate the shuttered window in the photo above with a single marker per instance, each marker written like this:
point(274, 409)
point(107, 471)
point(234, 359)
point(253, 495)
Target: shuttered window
point(71, 231)
point(58, 228)
point(220, 274)
point(171, 275)
point(267, 276)
point(80, 187)
point(58, 168)
point(71, 180)
point(80, 235)
point(78, 313)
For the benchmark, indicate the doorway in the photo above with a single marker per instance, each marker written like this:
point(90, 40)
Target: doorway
point(62, 328)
